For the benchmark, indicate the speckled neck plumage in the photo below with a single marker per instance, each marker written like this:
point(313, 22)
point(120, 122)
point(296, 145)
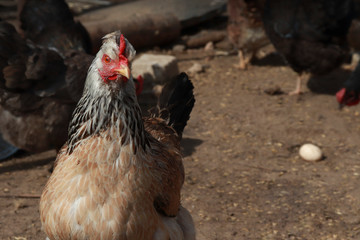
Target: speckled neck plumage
point(116, 115)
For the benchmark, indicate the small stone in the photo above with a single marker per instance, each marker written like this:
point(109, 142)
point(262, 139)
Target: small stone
point(310, 152)
point(178, 48)
point(209, 46)
point(18, 204)
point(196, 68)
point(221, 53)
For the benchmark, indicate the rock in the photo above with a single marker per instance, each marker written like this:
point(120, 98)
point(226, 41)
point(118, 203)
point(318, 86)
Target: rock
point(196, 68)
point(209, 46)
point(310, 152)
point(179, 48)
point(156, 70)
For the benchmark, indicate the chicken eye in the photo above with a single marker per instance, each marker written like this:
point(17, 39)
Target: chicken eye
point(107, 59)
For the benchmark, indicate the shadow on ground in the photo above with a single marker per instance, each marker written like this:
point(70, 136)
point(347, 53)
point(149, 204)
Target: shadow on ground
point(271, 59)
point(329, 83)
point(26, 161)
point(189, 145)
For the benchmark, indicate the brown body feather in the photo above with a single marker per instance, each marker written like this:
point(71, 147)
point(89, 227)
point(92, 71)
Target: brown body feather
point(104, 182)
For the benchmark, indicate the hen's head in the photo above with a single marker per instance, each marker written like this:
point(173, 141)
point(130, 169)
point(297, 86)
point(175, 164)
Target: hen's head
point(110, 69)
point(347, 97)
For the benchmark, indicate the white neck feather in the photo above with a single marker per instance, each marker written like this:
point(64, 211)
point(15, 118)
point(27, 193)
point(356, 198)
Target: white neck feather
point(104, 105)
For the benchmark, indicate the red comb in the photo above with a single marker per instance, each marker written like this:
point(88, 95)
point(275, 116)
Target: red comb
point(122, 45)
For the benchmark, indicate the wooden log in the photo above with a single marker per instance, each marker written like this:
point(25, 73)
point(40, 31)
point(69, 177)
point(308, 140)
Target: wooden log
point(142, 30)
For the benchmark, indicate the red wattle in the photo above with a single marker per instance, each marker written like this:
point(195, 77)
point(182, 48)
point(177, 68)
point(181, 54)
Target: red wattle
point(113, 77)
point(340, 95)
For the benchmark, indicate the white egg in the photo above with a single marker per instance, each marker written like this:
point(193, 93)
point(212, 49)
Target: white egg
point(310, 152)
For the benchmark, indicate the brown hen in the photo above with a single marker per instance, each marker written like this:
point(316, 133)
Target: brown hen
point(119, 176)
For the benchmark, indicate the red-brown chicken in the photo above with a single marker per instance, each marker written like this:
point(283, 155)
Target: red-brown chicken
point(245, 29)
point(119, 176)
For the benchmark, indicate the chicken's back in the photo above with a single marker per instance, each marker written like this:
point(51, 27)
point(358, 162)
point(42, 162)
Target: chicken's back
point(13, 51)
point(311, 35)
point(166, 126)
point(51, 24)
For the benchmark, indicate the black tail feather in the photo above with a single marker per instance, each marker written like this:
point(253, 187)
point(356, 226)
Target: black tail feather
point(176, 102)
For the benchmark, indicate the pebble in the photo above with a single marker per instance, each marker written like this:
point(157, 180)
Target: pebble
point(179, 48)
point(196, 68)
point(310, 152)
point(209, 46)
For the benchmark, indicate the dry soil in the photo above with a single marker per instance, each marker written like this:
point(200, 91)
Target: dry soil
point(244, 177)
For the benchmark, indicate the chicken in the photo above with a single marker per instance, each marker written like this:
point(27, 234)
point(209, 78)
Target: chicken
point(39, 90)
point(245, 29)
point(119, 175)
point(349, 95)
point(50, 23)
point(354, 35)
point(311, 35)
point(42, 75)
point(41, 84)
point(35, 106)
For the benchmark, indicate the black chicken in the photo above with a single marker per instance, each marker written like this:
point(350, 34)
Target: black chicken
point(36, 98)
point(311, 35)
point(50, 23)
point(42, 77)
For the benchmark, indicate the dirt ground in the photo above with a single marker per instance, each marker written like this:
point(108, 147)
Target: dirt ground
point(244, 177)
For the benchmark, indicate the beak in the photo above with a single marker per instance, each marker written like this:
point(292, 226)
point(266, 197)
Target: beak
point(123, 70)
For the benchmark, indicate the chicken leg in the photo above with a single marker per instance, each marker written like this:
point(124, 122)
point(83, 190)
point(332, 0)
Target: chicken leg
point(244, 59)
point(297, 90)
